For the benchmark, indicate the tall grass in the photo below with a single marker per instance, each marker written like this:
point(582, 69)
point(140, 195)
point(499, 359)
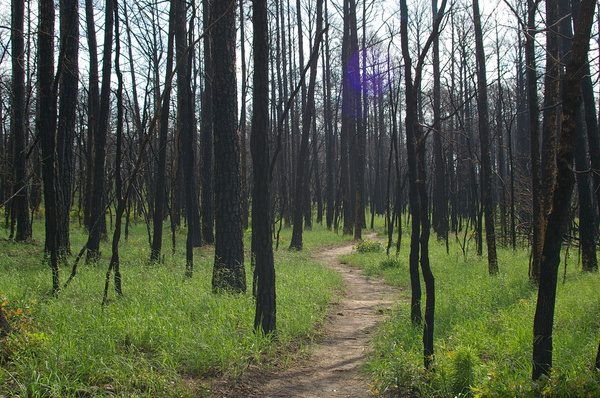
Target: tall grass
point(162, 338)
point(483, 329)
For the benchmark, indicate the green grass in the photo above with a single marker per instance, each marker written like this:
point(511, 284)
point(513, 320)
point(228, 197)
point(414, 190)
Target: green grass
point(167, 336)
point(483, 330)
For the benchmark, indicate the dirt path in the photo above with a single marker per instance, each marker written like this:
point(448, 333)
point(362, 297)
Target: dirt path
point(333, 367)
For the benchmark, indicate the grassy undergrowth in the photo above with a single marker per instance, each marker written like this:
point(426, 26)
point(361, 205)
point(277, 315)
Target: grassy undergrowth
point(483, 330)
point(167, 336)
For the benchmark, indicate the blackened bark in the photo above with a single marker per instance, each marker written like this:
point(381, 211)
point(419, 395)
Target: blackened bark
point(242, 126)
point(561, 197)
point(207, 203)
point(411, 158)
point(417, 178)
point(46, 125)
point(440, 201)
point(229, 272)
point(348, 128)
point(185, 128)
point(92, 112)
point(486, 161)
point(97, 216)
point(587, 224)
point(301, 172)
point(20, 206)
point(538, 218)
point(329, 135)
point(115, 262)
point(160, 194)
point(68, 93)
point(589, 124)
point(262, 241)
point(593, 133)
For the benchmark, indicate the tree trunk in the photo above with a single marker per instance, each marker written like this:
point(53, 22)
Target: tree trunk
point(46, 125)
point(229, 272)
point(329, 135)
point(262, 241)
point(185, 128)
point(115, 262)
point(68, 94)
point(411, 158)
point(160, 194)
point(92, 113)
point(561, 196)
point(20, 205)
point(301, 172)
point(440, 201)
point(207, 203)
point(97, 216)
point(348, 128)
point(538, 218)
point(587, 224)
point(486, 162)
point(243, 125)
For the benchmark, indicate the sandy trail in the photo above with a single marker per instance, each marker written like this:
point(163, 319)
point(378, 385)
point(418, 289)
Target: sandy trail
point(333, 367)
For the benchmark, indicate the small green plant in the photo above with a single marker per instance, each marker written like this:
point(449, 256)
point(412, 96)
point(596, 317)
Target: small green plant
point(390, 262)
point(369, 246)
point(463, 363)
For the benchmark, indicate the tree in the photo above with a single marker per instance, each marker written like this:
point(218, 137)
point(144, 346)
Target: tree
point(439, 198)
point(115, 261)
point(46, 127)
point(92, 111)
point(67, 108)
point(262, 241)
point(350, 107)
point(307, 120)
point(416, 144)
point(97, 210)
point(486, 162)
point(207, 203)
point(538, 218)
point(228, 272)
point(561, 194)
point(160, 194)
point(185, 128)
point(18, 133)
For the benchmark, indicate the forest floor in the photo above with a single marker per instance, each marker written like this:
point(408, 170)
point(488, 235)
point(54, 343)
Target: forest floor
point(332, 366)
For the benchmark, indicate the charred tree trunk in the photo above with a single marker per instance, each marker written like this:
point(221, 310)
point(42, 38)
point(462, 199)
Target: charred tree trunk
point(207, 203)
point(440, 201)
point(92, 113)
point(46, 126)
point(185, 128)
point(229, 272)
point(262, 241)
point(301, 174)
point(538, 218)
point(68, 93)
point(115, 262)
point(20, 205)
point(486, 161)
point(97, 216)
point(561, 196)
point(160, 194)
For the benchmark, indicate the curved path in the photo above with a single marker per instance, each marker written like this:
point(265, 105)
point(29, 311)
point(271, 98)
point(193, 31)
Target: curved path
point(333, 366)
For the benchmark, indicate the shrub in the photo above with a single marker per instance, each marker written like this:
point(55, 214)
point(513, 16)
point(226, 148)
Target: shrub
point(369, 246)
point(390, 262)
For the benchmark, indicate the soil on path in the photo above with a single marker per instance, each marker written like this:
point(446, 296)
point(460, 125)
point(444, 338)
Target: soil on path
point(333, 366)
